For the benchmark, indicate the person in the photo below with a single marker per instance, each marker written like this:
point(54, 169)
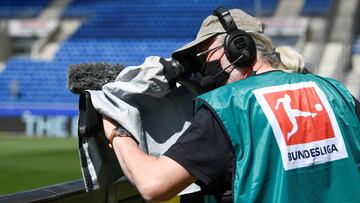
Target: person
point(237, 147)
point(15, 89)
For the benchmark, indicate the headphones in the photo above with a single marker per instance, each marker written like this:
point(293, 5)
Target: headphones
point(239, 47)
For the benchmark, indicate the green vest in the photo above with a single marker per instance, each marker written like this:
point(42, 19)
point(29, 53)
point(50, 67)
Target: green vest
point(296, 138)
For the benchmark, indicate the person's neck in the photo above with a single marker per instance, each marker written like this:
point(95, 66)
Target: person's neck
point(262, 67)
point(259, 67)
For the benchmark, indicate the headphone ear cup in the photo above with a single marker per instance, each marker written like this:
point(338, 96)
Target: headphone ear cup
point(240, 44)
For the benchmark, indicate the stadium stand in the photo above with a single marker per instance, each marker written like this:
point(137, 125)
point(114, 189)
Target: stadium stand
point(320, 22)
point(316, 8)
point(127, 31)
point(289, 8)
point(37, 80)
point(336, 59)
point(21, 9)
point(356, 44)
point(353, 82)
point(115, 32)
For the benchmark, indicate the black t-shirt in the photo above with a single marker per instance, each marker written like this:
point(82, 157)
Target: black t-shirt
point(206, 152)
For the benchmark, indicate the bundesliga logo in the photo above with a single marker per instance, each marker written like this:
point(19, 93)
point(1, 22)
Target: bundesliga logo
point(303, 123)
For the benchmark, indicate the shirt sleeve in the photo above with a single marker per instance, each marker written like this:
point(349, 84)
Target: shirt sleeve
point(205, 151)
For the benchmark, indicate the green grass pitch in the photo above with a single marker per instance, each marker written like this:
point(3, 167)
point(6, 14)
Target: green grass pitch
point(29, 163)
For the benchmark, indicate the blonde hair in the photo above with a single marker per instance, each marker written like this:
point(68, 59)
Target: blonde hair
point(283, 58)
point(291, 60)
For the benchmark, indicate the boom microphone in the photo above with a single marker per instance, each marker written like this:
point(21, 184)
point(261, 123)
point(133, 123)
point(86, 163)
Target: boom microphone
point(91, 76)
point(208, 83)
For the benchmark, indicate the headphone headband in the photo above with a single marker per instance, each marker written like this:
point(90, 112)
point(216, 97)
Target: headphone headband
point(239, 47)
point(225, 19)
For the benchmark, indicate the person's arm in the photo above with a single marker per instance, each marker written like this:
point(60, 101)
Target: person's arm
point(157, 179)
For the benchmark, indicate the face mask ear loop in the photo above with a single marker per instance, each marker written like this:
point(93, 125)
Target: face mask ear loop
point(221, 56)
point(212, 53)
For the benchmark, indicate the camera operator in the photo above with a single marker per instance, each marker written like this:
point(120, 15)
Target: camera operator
point(260, 134)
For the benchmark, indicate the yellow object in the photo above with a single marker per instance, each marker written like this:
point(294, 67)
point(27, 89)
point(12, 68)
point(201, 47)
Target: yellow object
point(173, 200)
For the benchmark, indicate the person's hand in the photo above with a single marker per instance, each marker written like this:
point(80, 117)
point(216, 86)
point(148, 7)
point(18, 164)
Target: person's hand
point(109, 126)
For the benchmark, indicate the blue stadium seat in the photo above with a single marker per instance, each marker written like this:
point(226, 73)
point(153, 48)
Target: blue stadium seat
point(115, 32)
point(21, 8)
point(112, 19)
point(316, 8)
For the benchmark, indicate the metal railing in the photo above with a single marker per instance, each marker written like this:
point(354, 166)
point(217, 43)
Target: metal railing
point(121, 191)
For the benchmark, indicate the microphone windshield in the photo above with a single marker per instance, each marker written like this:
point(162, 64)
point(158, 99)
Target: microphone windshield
point(91, 76)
